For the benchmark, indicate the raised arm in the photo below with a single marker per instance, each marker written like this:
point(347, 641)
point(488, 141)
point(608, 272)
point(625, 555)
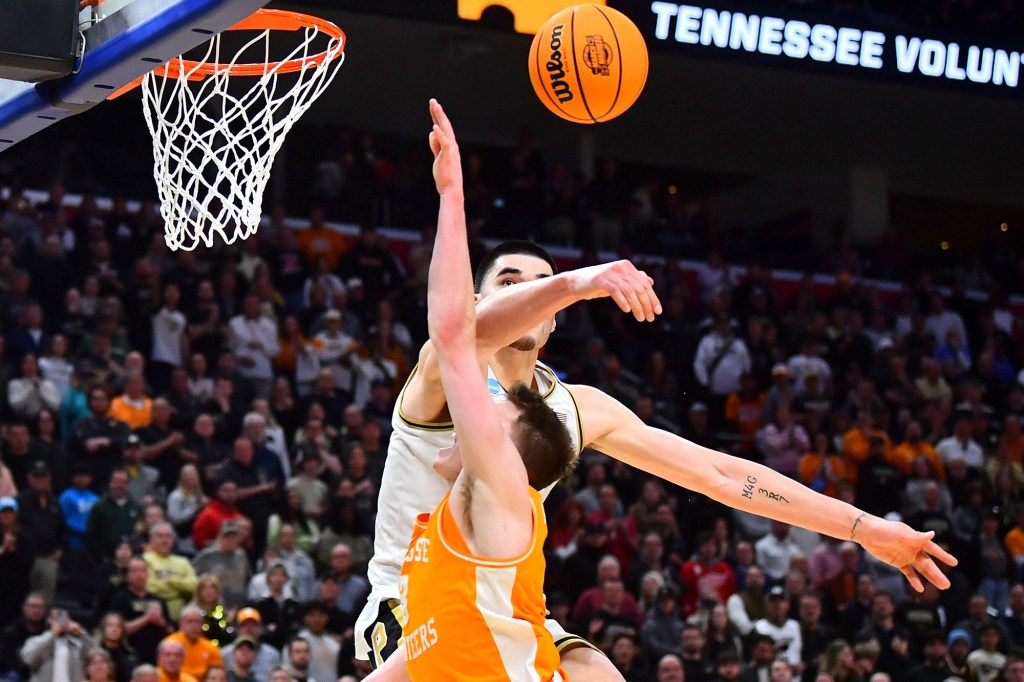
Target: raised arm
point(613, 429)
point(488, 455)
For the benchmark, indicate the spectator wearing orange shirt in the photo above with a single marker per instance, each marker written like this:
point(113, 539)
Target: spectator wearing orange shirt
point(857, 441)
point(822, 471)
point(133, 407)
point(913, 446)
point(743, 411)
point(319, 240)
point(200, 652)
point(1014, 539)
point(1013, 439)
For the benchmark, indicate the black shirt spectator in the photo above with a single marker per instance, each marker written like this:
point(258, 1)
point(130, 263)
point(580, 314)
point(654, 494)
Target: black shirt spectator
point(32, 622)
point(39, 513)
point(147, 619)
point(98, 439)
point(256, 489)
point(879, 483)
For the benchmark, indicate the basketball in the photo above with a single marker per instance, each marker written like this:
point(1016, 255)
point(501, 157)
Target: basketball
point(588, 63)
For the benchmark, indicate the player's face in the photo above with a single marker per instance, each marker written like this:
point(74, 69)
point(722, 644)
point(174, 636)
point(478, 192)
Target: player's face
point(513, 269)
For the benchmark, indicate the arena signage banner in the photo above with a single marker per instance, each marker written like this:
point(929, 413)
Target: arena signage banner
point(852, 43)
point(831, 43)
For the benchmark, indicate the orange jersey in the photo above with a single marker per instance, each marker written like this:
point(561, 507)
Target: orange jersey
point(470, 618)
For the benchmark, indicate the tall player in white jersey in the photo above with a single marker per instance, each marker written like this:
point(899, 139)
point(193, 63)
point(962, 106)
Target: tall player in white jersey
point(518, 319)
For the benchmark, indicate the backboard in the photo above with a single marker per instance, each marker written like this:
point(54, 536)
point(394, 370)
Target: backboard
point(124, 39)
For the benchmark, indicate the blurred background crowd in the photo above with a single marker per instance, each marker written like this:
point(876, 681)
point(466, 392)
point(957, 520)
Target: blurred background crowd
point(192, 442)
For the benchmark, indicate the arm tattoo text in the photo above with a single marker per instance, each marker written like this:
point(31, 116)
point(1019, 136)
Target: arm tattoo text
point(748, 488)
point(853, 531)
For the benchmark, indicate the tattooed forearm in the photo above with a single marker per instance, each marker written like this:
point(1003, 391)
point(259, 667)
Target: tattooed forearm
point(853, 531)
point(748, 488)
point(776, 497)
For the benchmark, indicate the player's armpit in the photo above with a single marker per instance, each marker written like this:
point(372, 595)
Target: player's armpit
point(423, 396)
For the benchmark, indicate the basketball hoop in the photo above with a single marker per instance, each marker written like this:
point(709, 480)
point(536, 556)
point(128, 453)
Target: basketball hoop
point(213, 145)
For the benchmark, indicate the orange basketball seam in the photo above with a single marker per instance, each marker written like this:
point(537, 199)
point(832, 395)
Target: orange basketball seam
point(576, 66)
point(618, 50)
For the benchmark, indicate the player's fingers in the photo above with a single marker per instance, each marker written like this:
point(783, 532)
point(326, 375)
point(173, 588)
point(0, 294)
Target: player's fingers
point(442, 139)
point(441, 118)
point(941, 554)
point(435, 146)
point(635, 305)
point(926, 567)
point(912, 578)
point(620, 300)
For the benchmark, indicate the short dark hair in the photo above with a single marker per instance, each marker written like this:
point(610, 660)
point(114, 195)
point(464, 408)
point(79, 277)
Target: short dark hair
point(542, 440)
point(514, 247)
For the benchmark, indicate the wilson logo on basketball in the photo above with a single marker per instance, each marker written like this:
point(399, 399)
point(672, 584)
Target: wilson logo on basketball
point(556, 69)
point(597, 55)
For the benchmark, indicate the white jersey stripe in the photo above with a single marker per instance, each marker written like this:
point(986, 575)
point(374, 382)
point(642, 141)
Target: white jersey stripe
point(515, 639)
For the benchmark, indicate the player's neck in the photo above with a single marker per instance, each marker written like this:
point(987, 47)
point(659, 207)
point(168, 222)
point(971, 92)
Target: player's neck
point(510, 365)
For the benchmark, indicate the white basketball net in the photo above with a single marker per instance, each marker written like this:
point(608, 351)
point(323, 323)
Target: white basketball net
point(213, 149)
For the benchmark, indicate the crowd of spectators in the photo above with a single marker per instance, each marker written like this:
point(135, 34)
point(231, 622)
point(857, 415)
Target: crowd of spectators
point(192, 445)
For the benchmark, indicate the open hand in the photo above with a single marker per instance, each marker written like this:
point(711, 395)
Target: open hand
point(447, 163)
point(631, 289)
point(911, 551)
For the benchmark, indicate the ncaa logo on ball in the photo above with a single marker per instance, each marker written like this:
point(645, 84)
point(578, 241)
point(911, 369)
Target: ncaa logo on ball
point(597, 55)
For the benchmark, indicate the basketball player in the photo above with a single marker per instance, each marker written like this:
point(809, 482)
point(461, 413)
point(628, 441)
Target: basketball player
point(595, 420)
point(473, 575)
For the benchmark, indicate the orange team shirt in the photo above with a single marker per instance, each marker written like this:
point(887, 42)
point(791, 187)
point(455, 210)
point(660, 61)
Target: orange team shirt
point(135, 417)
point(199, 656)
point(745, 412)
point(468, 618)
point(903, 455)
point(1014, 542)
point(810, 467)
point(321, 241)
point(857, 447)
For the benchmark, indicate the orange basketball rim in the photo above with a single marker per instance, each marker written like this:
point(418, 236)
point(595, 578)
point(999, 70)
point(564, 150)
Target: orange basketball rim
point(261, 20)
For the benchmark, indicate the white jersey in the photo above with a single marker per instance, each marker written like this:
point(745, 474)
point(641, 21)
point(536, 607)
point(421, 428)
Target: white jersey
point(410, 486)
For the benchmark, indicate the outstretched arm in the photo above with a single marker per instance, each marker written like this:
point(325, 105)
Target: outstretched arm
point(613, 429)
point(488, 456)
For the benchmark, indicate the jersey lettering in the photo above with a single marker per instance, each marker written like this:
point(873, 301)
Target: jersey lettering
point(418, 551)
point(419, 640)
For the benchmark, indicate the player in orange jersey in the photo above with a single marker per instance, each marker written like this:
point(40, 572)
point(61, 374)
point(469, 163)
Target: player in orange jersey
point(473, 576)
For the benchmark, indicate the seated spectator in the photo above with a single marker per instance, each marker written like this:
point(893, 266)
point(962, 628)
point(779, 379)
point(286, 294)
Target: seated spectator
point(986, 661)
point(31, 393)
point(913, 446)
point(783, 442)
point(133, 407)
point(112, 638)
point(815, 634)
point(879, 483)
point(857, 441)
point(960, 446)
point(306, 482)
point(170, 576)
point(249, 628)
point(743, 413)
point(892, 638)
point(184, 504)
point(99, 438)
point(822, 471)
point(611, 615)
point(784, 631)
point(169, 663)
point(216, 618)
point(60, 652)
point(344, 526)
point(113, 517)
point(762, 655)
point(776, 550)
point(1013, 617)
point(625, 656)
point(670, 669)
point(721, 635)
point(931, 385)
point(749, 604)
point(838, 663)
point(143, 480)
point(300, 565)
point(227, 561)
point(31, 622)
point(214, 514)
point(323, 649)
point(77, 502)
point(931, 514)
point(662, 627)
point(978, 616)
point(706, 571)
point(280, 613)
point(353, 588)
point(695, 666)
point(200, 652)
point(292, 514)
